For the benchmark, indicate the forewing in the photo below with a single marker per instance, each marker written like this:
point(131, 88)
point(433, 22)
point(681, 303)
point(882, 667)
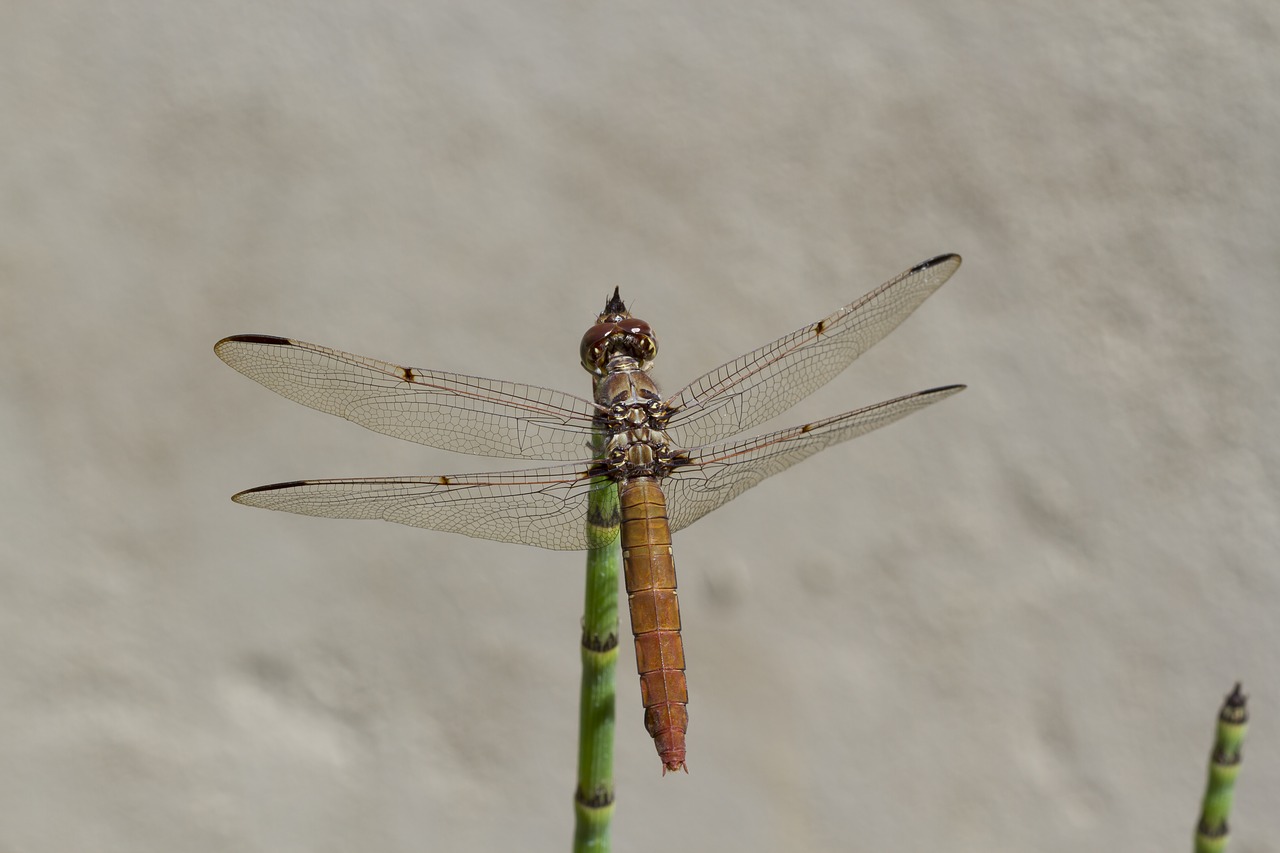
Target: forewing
point(546, 507)
point(765, 383)
point(717, 474)
point(466, 414)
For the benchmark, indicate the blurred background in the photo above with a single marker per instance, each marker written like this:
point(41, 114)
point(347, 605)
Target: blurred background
point(1005, 624)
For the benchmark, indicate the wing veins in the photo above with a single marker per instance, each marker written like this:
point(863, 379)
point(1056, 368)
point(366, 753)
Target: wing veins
point(545, 507)
point(763, 383)
point(467, 414)
point(716, 474)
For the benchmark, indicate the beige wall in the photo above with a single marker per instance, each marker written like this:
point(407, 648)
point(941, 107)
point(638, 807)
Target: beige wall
point(1002, 625)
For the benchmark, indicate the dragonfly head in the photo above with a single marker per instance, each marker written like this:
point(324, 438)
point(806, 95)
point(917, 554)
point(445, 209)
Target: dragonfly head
point(616, 333)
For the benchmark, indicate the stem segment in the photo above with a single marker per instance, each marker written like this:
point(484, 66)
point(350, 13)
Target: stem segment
point(593, 801)
point(1224, 766)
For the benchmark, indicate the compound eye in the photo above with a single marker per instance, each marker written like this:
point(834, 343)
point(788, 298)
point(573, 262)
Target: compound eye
point(641, 334)
point(592, 349)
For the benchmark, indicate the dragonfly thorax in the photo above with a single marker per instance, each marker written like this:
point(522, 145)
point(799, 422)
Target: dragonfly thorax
point(633, 416)
point(642, 452)
point(628, 398)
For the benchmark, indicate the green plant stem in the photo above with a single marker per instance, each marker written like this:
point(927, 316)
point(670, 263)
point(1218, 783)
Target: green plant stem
point(1224, 765)
point(593, 801)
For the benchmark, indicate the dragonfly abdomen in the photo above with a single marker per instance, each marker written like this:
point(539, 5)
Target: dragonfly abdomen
point(655, 616)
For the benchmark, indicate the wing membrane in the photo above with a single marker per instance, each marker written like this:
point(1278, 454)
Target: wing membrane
point(766, 382)
point(719, 473)
point(466, 414)
point(546, 507)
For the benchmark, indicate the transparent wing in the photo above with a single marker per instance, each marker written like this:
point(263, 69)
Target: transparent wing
point(762, 384)
point(546, 507)
point(466, 414)
point(718, 474)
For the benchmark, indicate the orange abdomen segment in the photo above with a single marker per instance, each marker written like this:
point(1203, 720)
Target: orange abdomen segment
point(655, 616)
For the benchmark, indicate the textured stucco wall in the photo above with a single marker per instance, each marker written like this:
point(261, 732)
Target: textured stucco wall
point(1002, 625)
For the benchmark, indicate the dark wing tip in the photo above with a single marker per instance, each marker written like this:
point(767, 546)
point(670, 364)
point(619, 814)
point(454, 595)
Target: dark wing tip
point(945, 389)
point(268, 488)
point(267, 340)
point(948, 258)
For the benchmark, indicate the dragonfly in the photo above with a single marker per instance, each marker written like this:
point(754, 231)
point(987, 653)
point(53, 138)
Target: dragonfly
point(674, 458)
